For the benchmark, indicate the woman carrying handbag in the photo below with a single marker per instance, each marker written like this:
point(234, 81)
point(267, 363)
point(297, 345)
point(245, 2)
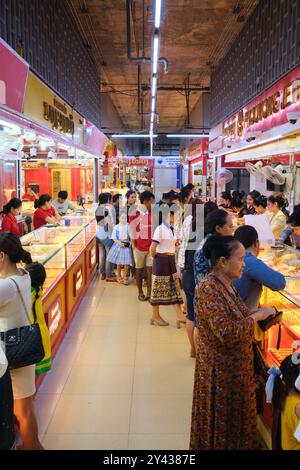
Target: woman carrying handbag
point(15, 296)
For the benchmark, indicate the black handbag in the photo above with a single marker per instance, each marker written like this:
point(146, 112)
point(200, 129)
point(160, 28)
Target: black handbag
point(23, 345)
point(270, 321)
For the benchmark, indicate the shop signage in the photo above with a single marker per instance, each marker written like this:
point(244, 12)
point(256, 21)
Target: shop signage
point(54, 316)
point(46, 108)
point(167, 162)
point(77, 281)
point(198, 148)
point(13, 77)
point(137, 161)
point(57, 115)
point(268, 110)
point(93, 257)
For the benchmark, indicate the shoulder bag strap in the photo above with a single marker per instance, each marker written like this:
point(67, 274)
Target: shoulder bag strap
point(22, 299)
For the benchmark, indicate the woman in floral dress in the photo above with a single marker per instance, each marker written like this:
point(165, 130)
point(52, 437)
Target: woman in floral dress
point(224, 405)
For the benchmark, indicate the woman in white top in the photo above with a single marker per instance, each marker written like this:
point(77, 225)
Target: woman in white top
point(165, 281)
point(13, 315)
point(276, 204)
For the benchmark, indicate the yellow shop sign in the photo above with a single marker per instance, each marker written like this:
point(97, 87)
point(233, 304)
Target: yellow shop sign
point(43, 106)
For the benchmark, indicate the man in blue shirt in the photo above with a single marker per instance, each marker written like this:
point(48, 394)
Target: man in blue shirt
point(256, 273)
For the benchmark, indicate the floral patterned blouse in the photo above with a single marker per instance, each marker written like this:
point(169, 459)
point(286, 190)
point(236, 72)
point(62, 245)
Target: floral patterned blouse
point(201, 264)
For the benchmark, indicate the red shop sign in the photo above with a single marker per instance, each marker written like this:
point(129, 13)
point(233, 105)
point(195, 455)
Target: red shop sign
point(54, 315)
point(77, 281)
point(13, 78)
point(138, 161)
point(268, 110)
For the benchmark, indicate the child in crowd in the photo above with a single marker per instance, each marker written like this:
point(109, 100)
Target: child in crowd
point(283, 391)
point(37, 274)
point(120, 252)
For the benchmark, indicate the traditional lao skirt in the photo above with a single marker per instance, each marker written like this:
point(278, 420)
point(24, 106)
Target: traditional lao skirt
point(165, 281)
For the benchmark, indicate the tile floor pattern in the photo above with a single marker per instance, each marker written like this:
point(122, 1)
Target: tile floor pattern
point(117, 382)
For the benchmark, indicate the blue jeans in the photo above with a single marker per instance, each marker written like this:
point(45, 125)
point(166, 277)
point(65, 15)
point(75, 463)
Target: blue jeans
point(105, 266)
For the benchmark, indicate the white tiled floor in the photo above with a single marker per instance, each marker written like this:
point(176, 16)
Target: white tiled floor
point(117, 382)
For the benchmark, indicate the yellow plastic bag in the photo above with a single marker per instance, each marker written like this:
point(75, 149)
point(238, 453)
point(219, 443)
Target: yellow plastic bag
point(36, 304)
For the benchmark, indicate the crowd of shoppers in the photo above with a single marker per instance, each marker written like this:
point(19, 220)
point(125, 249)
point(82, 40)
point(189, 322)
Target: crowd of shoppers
point(187, 251)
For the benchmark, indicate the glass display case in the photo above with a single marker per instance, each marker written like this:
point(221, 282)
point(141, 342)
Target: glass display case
point(57, 247)
point(278, 341)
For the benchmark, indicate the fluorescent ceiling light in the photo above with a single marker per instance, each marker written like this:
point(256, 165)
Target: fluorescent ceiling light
point(153, 105)
point(157, 13)
point(131, 136)
point(155, 54)
point(187, 136)
point(152, 118)
point(154, 85)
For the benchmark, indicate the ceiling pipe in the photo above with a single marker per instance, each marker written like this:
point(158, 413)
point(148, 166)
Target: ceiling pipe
point(143, 58)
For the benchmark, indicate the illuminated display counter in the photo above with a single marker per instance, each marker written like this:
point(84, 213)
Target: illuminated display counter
point(69, 255)
point(278, 340)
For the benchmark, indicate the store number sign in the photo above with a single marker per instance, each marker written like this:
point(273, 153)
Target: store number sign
point(92, 257)
point(77, 281)
point(54, 316)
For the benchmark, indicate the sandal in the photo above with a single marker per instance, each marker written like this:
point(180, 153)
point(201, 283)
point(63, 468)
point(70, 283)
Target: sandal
point(119, 280)
point(125, 281)
point(142, 297)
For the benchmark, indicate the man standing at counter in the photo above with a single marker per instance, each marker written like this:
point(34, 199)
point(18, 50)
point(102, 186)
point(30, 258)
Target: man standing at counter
point(62, 203)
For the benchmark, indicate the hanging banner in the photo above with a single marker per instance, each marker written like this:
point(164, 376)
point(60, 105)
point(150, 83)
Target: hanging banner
point(13, 78)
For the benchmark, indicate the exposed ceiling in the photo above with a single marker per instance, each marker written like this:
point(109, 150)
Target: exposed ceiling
point(195, 36)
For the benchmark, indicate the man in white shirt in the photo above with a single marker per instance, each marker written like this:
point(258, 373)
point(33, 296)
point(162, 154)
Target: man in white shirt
point(62, 204)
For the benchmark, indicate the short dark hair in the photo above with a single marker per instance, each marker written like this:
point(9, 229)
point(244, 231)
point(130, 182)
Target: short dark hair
point(116, 197)
point(236, 201)
point(226, 195)
point(260, 201)
point(189, 186)
point(185, 193)
point(209, 207)
point(216, 218)
point(41, 201)
point(63, 195)
point(254, 194)
point(10, 245)
point(104, 198)
point(218, 246)
point(166, 209)
point(146, 196)
point(247, 235)
point(294, 219)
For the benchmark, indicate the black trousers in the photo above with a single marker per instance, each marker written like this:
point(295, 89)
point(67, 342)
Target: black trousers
point(7, 436)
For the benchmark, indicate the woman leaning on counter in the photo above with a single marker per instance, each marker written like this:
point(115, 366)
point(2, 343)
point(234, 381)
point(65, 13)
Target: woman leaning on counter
point(224, 405)
point(11, 211)
point(276, 204)
point(45, 212)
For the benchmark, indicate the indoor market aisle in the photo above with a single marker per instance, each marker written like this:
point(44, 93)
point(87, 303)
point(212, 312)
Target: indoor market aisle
point(118, 382)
